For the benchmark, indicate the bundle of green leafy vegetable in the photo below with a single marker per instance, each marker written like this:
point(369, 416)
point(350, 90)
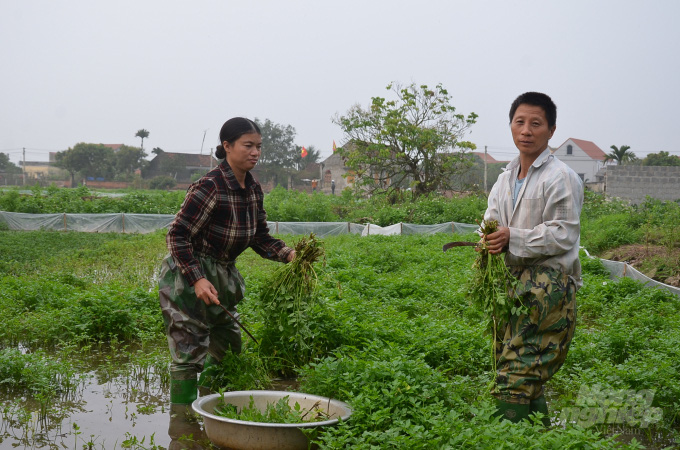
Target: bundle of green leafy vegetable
point(290, 307)
point(492, 286)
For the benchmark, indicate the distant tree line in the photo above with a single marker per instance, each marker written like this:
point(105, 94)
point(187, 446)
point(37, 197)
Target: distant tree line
point(100, 161)
point(8, 166)
point(623, 155)
point(280, 157)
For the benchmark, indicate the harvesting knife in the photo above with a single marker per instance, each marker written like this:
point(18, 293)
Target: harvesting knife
point(460, 244)
point(238, 323)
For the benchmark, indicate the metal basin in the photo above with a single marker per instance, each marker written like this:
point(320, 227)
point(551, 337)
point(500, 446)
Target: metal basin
point(242, 435)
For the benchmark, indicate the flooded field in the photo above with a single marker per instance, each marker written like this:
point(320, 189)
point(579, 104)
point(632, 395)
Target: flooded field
point(121, 402)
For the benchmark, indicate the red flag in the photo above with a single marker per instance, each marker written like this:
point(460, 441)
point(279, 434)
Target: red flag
point(304, 152)
point(334, 147)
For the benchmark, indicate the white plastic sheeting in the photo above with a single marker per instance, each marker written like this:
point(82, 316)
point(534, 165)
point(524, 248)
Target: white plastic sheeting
point(147, 223)
point(321, 229)
point(91, 223)
point(620, 269)
point(409, 228)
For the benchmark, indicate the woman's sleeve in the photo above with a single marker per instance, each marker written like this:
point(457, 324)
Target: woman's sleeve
point(263, 243)
point(194, 214)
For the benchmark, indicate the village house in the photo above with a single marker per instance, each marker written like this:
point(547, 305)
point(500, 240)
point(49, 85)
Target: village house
point(333, 169)
point(42, 170)
point(583, 157)
point(179, 166)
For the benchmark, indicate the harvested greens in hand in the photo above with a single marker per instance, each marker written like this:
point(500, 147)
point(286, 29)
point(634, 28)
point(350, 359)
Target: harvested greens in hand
point(290, 305)
point(492, 286)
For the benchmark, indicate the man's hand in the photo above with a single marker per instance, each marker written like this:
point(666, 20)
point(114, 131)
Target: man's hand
point(498, 241)
point(206, 292)
point(291, 256)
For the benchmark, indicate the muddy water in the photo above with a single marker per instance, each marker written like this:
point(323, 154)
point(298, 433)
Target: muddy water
point(122, 401)
point(104, 413)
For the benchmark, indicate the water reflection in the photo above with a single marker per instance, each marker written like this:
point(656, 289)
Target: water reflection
point(184, 430)
point(117, 399)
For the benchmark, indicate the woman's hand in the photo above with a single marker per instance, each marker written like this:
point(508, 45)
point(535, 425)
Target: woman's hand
point(498, 241)
point(291, 256)
point(206, 292)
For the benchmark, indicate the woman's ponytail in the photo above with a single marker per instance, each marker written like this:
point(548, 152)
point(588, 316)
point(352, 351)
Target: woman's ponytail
point(220, 152)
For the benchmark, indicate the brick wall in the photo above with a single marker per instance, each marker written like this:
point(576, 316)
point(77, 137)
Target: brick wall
point(634, 183)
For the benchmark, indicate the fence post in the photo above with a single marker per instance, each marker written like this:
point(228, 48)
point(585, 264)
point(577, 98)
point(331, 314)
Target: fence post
point(453, 227)
point(123, 214)
point(65, 229)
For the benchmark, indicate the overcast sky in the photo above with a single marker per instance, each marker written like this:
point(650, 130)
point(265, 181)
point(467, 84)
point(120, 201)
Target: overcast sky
point(88, 71)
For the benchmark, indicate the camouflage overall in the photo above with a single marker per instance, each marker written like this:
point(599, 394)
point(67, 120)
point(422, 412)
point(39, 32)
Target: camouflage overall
point(193, 328)
point(535, 345)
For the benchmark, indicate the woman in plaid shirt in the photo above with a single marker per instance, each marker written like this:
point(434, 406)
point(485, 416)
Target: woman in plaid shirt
point(222, 215)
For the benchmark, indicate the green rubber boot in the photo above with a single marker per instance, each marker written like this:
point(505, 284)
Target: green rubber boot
point(514, 412)
point(539, 405)
point(183, 391)
point(209, 370)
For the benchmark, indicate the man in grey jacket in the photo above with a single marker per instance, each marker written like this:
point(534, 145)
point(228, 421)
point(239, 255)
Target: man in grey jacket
point(537, 202)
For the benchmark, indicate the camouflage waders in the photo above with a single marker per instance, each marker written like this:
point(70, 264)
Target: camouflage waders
point(194, 329)
point(535, 345)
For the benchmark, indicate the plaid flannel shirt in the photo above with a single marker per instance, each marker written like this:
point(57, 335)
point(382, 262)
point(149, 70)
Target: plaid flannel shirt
point(221, 219)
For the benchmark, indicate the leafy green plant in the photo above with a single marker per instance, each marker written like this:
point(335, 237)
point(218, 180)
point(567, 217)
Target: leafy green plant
point(394, 335)
point(289, 304)
point(491, 288)
point(240, 372)
point(609, 231)
point(276, 412)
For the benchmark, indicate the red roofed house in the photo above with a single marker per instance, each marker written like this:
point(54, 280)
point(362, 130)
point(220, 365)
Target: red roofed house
point(584, 157)
point(489, 159)
point(180, 166)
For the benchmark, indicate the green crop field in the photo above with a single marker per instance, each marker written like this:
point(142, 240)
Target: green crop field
point(389, 331)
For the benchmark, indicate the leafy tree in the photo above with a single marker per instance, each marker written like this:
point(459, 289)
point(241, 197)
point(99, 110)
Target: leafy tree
point(414, 140)
point(142, 134)
point(8, 166)
point(620, 155)
point(90, 160)
point(473, 179)
point(128, 159)
point(313, 156)
point(278, 149)
point(661, 159)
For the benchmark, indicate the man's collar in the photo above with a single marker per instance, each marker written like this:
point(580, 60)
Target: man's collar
point(543, 157)
point(540, 160)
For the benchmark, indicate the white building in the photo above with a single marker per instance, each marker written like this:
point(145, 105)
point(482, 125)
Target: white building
point(584, 157)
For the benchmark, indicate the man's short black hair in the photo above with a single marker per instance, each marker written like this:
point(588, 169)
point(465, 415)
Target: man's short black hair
point(536, 99)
